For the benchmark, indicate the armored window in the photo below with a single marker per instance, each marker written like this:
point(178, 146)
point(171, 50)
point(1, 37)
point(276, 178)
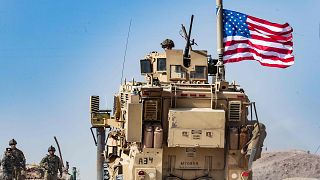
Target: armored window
point(177, 72)
point(161, 64)
point(145, 66)
point(199, 73)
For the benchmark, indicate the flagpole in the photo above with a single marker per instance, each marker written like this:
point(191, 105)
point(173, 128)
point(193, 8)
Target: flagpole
point(220, 72)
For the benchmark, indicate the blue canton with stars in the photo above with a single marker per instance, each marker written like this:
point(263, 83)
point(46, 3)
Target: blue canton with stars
point(235, 24)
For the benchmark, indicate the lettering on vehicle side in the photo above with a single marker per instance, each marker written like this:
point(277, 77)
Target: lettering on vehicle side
point(145, 160)
point(189, 164)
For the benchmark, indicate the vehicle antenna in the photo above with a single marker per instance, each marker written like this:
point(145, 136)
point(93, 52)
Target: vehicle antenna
point(125, 51)
point(56, 140)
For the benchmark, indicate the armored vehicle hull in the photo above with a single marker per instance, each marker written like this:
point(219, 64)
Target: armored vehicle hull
point(176, 125)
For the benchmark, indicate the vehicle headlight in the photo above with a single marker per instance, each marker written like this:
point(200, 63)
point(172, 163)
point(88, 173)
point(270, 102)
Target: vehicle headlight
point(234, 175)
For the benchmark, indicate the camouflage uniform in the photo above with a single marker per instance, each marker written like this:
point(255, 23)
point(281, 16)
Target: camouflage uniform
point(7, 167)
point(20, 163)
point(51, 164)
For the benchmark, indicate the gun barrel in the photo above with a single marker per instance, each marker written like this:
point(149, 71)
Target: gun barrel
point(187, 48)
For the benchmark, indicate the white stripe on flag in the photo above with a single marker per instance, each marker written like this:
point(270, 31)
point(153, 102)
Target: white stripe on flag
point(258, 42)
point(268, 53)
point(268, 36)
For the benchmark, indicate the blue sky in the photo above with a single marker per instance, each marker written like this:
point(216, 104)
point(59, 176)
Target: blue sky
point(55, 54)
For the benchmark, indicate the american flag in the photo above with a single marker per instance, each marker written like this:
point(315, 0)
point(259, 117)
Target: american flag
point(251, 38)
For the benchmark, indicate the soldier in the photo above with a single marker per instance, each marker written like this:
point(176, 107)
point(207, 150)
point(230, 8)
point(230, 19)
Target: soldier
point(167, 44)
point(20, 161)
point(51, 163)
point(7, 163)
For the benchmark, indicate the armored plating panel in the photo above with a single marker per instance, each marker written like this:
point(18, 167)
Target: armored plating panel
point(150, 162)
point(133, 125)
point(196, 127)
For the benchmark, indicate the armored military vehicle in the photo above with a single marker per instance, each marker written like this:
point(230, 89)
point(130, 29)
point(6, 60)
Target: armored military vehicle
point(178, 125)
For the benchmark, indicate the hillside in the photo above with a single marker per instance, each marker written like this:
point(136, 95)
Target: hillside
point(289, 165)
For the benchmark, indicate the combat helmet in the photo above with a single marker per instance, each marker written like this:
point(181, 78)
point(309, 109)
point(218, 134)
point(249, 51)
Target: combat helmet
point(51, 148)
point(8, 150)
point(12, 142)
point(167, 44)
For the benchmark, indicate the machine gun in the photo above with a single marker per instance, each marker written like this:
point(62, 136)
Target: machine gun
point(186, 54)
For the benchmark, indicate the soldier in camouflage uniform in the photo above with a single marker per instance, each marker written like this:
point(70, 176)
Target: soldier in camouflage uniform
point(51, 163)
point(20, 161)
point(7, 163)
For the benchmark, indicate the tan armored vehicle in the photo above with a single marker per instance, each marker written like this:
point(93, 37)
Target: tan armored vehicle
point(176, 125)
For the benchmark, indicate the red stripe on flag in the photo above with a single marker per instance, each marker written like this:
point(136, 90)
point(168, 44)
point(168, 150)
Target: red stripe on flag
point(274, 39)
point(274, 65)
point(263, 56)
point(252, 26)
point(231, 60)
point(230, 43)
point(289, 43)
point(268, 22)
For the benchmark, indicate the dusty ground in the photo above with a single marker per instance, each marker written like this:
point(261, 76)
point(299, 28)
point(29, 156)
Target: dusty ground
point(289, 165)
point(283, 165)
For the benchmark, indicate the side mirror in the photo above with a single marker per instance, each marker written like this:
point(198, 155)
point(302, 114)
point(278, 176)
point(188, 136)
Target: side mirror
point(145, 66)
